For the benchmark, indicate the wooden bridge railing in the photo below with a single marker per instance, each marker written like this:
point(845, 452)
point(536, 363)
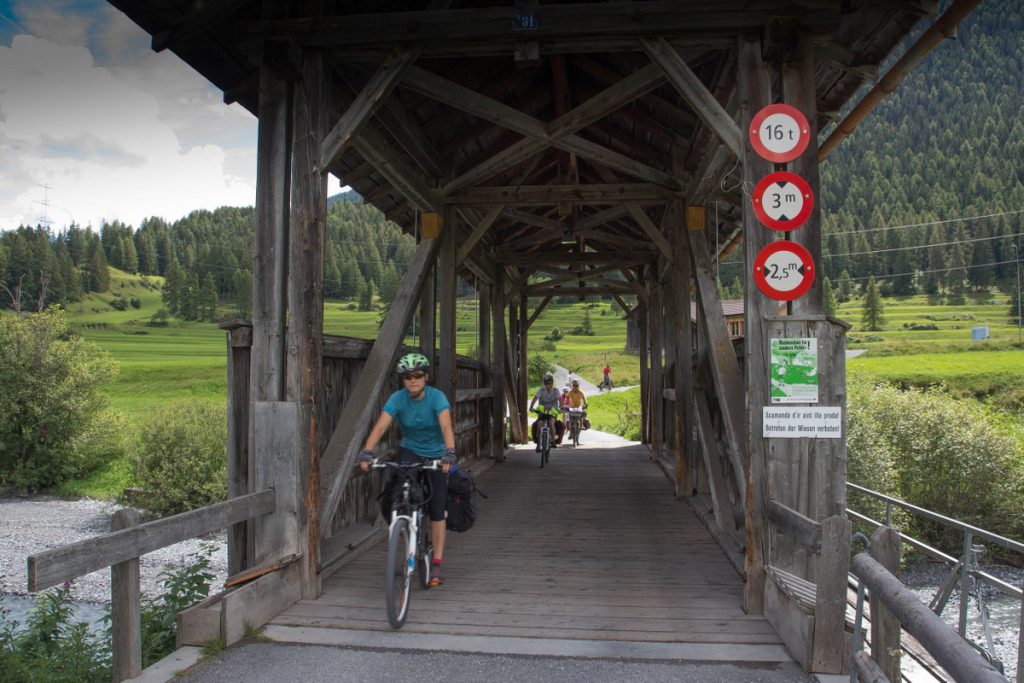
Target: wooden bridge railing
point(120, 550)
point(962, 569)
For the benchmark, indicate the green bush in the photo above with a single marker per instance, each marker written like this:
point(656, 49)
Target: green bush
point(49, 399)
point(953, 456)
point(183, 458)
point(50, 647)
point(537, 367)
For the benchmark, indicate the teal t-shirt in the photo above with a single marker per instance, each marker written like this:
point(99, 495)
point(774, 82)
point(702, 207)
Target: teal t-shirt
point(421, 432)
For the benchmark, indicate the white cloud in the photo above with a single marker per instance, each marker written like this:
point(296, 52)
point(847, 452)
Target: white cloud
point(115, 130)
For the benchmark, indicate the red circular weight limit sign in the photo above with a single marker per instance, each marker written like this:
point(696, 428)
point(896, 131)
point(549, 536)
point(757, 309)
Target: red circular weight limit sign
point(783, 200)
point(784, 270)
point(779, 133)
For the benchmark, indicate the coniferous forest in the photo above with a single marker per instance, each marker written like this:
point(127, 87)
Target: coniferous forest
point(927, 196)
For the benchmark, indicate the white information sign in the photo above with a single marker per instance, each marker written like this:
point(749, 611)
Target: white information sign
point(793, 422)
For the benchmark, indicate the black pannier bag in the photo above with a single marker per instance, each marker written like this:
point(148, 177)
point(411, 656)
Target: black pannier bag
point(461, 505)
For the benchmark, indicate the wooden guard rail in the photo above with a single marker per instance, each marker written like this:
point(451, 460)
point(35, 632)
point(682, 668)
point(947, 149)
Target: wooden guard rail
point(955, 654)
point(120, 550)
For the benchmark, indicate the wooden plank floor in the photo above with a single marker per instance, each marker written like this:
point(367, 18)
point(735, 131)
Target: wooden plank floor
point(591, 548)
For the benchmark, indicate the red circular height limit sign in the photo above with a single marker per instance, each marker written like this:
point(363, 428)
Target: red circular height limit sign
point(779, 133)
point(784, 270)
point(783, 200)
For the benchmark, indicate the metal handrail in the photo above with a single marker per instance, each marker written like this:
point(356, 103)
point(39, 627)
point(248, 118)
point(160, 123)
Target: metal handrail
point(966, 566)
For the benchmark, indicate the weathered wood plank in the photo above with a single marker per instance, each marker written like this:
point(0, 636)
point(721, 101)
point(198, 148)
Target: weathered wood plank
point(51, 567)
point(544, 195)
point(479, 231)
point(722, 506)
point(831, 653)
point(256, 603)
point(598, 493)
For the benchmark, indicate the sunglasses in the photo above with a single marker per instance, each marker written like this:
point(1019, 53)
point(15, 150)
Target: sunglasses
point(414, 375)
point(548, 382)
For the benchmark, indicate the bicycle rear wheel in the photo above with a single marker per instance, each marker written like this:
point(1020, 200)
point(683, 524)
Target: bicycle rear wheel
point(398, 578)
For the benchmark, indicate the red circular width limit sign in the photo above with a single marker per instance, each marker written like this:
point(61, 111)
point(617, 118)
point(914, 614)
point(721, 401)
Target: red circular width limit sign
point(779, 133)
point(783, 200)
point(784, 270)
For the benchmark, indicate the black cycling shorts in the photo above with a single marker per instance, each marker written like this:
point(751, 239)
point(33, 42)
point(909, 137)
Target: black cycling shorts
point(438, 482)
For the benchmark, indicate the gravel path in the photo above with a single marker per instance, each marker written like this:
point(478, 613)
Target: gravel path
point(31, 525)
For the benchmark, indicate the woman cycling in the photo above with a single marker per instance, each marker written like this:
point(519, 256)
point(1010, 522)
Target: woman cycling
point(424, 416)
point(548, 396)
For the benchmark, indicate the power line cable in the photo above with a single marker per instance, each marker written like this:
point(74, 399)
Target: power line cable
point(919, 225)
point(923, 246)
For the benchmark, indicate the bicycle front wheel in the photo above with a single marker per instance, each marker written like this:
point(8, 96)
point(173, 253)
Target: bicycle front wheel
point(425, 550)
point(398, 578)
point(545, 446)
point(575, 432)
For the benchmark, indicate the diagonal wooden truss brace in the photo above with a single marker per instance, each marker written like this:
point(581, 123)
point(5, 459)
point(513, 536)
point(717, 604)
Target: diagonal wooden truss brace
point(694, 92)
point(450, 93)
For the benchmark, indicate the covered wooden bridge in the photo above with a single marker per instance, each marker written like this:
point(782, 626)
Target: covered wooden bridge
point(541, 149)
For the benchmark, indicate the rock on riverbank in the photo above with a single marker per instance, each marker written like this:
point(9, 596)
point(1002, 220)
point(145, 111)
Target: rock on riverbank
point(32, 525)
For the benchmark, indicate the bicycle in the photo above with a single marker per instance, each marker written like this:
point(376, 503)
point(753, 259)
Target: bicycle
point(606, 383)
point(409, 546)
point(575, 425)
point(544, 434)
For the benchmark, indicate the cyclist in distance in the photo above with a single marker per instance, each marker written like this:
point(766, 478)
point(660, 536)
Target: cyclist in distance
point(425, 418)
point(548, 397)
point(563, 405)
point(577, 399)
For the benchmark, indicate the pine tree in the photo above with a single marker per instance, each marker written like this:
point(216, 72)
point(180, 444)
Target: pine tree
point(829, 298)
point(873, 318)
point(845, 286)
point(174, 284)
point(207, 304)
point(243, 293)
point(99, 273)
point(366, 296)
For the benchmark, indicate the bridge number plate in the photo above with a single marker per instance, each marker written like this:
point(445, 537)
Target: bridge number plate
point(784, 270)
point(783, 200)
point(779, 133)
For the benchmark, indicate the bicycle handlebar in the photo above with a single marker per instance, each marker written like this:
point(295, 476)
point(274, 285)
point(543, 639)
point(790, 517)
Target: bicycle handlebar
point(378, 464)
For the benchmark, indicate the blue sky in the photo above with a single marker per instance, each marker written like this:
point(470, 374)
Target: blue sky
point(111, 128)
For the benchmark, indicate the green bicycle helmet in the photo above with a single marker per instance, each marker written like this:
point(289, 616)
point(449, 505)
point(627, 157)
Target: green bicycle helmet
point(411, 362)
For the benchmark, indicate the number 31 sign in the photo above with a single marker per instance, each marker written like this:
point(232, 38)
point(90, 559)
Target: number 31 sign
point(779, 133)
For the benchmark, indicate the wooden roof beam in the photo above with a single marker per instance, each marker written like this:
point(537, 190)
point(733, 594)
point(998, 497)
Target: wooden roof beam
point(544, 195)
point(365, 105)
point(375, 149)
point(467, 100)
point(621, 258)
point(693, 91)
point(206, 15)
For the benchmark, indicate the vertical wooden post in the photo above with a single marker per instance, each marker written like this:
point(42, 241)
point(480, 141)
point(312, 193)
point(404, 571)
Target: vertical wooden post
point(446, 377)
point(643, 315)
point(524, 358)
point(125, 614)
point(269, 298)
point(754, 90)
point(657, 339)
point(682, 339)
point(240, 475)
point(885, 626)
point(306, 309)
point(799, 90)
point(498, 353)
point(428, 316)
point(483, 409)
point(830, 652)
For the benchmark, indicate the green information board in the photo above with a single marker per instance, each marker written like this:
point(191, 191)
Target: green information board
point(794, 370)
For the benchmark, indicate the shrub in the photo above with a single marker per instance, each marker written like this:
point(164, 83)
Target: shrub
point(920, 326)
point(50, 647)
point(49, 397)
point(160, 319)
point(183, 458)
point(118, 303)
point(136, 302)
point(537, 367)
point(555, 335)
point(183, 587)
point(953, 456)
